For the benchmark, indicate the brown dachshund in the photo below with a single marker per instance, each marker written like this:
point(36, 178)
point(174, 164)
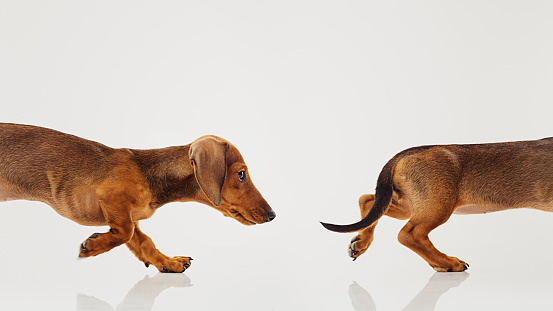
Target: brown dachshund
point(427, 184)
point(95, 185)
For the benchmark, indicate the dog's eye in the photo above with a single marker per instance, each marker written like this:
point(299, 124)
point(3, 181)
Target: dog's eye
point(242, 176)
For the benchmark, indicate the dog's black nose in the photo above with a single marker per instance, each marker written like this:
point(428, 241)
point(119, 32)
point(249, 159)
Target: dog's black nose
point(271, 215)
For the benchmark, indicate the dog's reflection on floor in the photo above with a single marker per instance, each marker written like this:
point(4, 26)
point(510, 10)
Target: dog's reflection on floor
point(426, 299)
point(360, 298)
point(141, 297)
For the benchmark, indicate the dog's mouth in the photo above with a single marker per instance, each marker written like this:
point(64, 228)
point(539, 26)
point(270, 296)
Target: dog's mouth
point(240, 218)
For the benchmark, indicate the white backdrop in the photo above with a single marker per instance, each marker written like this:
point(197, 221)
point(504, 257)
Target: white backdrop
point(317, 95)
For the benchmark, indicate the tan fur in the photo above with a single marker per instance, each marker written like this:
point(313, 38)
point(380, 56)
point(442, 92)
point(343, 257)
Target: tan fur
point(430, 183)
point(95, 185)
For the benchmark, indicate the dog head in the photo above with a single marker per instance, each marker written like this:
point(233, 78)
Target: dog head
point(224, 180)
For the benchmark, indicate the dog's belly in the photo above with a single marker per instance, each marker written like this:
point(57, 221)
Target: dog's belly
point(83, 209)
point(5, 192)
point(488, 208)
point(9, 192)
point(478, 209)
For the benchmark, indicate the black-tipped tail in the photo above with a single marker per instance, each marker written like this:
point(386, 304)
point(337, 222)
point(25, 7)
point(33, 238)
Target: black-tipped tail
point(383, 197)
point(346, 228)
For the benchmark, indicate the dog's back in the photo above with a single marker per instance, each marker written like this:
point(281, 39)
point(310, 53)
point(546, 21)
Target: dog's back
point(498, 175)
point(35, 163)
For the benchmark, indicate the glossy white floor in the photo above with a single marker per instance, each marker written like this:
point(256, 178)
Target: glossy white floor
point(317, 95)
point(291, 264)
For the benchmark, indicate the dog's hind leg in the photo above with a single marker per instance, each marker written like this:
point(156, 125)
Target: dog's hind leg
point(430, 185)
point(361, 242)
point(144, 249)
point(414, 235)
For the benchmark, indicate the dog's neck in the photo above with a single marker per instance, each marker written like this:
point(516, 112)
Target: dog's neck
point(169, 174)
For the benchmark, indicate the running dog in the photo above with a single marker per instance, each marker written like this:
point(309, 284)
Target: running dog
point(428, 184)
point(95, 185)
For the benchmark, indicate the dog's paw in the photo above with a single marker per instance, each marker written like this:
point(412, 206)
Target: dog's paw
point(358, 246)
point(177, 264)
point(87, 247)
point(455, 265)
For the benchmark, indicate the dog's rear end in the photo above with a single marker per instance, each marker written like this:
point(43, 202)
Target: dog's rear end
point(428, 184)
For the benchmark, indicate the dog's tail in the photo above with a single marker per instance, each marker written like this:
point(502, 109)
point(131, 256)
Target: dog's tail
point(382, 199)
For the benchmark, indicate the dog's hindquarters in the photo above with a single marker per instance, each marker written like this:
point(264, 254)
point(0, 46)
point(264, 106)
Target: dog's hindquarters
point(382, 197)
point(420, 184)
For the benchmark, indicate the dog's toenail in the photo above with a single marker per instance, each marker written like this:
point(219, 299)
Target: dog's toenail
point(164, 269)
point(466, 266)
point(147, 264)
point(355, 239)
point(190, 258)
point(84, 250)
point(352, 246)
point(94, 235)
point(354, 258)
point(449, 270)
point(186, 264)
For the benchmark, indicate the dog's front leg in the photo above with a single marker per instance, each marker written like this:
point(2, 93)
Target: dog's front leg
point(99, 243)
point(144, 249)
point(118, 218)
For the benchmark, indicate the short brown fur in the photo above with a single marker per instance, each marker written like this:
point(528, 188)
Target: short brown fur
point(95, 185)
point(428, 184)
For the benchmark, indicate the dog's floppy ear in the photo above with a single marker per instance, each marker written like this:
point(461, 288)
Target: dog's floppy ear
point(208, 157)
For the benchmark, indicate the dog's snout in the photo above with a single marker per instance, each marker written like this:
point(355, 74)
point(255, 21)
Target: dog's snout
point(271, 215)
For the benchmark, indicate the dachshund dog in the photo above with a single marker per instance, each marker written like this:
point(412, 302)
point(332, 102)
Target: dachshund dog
point(95, 185)
point(427, 184)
